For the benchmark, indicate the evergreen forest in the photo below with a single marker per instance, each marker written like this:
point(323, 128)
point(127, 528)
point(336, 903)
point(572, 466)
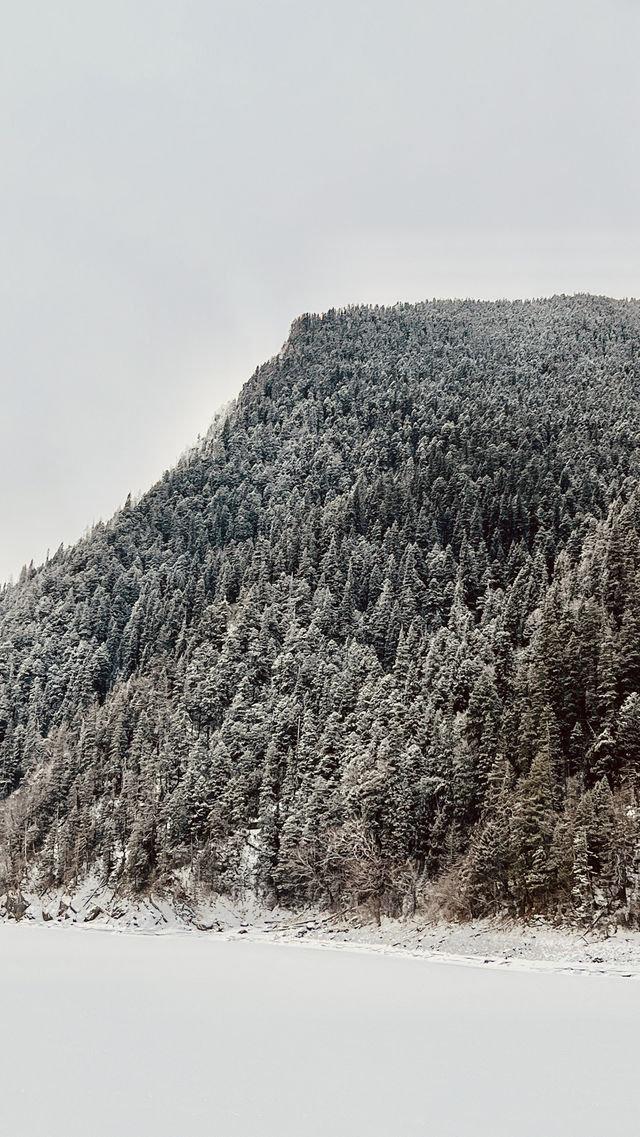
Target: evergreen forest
point(375, 640)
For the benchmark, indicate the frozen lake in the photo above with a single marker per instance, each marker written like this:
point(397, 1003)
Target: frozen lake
point(176, 1035)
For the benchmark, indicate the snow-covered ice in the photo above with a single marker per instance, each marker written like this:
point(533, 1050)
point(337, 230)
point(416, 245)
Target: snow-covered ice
point(106, 1033)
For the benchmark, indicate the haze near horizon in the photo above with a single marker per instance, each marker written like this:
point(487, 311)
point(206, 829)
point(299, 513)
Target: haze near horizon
point(182, 179)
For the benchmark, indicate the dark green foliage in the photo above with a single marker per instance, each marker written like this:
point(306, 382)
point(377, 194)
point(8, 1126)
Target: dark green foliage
point(383, 623)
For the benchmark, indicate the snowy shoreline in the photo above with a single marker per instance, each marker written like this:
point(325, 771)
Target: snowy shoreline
point(538, 946)
point(509, 957)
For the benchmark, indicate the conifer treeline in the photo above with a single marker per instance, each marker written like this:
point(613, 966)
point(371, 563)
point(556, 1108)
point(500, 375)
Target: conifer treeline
point(381, 628)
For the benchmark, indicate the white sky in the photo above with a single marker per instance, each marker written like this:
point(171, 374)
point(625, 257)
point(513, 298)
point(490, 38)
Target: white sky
point(181, 178)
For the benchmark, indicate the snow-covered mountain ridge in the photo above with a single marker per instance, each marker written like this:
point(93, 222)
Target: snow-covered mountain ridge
point(378, 634)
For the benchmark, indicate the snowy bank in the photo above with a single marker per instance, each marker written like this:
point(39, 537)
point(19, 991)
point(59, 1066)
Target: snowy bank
point(490, 943)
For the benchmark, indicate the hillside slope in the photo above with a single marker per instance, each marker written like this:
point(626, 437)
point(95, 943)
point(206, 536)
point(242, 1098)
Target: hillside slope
point(381, 628)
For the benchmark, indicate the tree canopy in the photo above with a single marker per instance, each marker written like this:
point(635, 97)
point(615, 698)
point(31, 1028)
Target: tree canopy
point(380, 628)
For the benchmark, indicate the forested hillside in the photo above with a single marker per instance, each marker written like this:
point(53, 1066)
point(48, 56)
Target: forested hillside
point(381, 629)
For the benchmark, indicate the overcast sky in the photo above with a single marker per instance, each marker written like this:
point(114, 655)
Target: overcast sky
point(181, 178)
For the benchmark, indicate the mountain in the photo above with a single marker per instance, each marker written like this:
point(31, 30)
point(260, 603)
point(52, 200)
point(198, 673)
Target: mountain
point(377, 638)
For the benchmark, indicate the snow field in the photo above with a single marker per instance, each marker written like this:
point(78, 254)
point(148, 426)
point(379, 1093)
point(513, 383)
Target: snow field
point(167, 1036)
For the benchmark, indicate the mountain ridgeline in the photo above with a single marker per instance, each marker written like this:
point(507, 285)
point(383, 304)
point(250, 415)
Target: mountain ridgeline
point(376, 639)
